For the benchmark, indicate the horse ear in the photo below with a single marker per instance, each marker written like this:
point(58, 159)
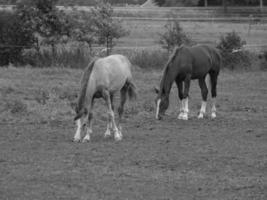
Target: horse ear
point(156, 90)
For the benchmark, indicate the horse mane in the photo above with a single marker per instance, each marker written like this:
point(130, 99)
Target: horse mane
point(166, 68)
point(84, 82)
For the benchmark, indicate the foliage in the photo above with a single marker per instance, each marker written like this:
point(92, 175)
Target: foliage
point(161, 2)
point(231, 41)
point(173, 36)
point(263, 60)
point(14, 38)
point(82, 28)
point(50, 25)
point(106, 28)
point(231, 46)
point(16, 107)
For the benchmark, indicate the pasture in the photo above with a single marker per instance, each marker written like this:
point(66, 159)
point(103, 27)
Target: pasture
point(204, 159)
point(145, 33)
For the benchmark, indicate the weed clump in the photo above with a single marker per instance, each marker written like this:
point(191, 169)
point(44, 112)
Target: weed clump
point(146, 59)
point(16, 107)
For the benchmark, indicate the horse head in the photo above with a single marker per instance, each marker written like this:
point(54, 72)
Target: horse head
point(162, 103)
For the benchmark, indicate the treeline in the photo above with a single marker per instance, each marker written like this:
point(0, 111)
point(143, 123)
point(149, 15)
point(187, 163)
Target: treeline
point(159, 2)
point(37, 30)
point(210, 2)
point(82, 2)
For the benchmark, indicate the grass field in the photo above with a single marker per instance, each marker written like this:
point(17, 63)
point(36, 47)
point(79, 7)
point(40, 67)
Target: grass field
point(205, 159)
point(145, 33)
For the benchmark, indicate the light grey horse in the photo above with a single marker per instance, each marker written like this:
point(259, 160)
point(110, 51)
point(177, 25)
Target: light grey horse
point(102, 79)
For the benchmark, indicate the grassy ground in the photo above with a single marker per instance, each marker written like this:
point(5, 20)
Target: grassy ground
point(145, 33)
point(205, 159)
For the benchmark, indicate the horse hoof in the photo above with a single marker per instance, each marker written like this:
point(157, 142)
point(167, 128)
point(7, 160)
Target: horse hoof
point(200, 116)
point(85, 140)
point(180, 116)
point(213, 115)
point(107, 134)
point(76, 140)
point(185, 116)
point(118, 137)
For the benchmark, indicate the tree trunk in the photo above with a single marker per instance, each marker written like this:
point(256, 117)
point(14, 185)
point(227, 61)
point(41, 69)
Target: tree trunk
point(206, 3)
point(224, 6)
point(261, 4)
point(108, 47)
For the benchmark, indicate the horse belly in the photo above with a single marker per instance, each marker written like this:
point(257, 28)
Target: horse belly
point(200, 69)
point(112, 78)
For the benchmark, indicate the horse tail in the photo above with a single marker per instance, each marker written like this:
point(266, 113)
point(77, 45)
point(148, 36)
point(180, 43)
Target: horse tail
point(132, 90)
point(80, 109)
point(208, 81)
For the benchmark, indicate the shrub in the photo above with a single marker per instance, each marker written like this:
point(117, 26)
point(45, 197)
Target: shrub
point(231, 41)
point(233, 55)
point(16, 106)
point(237, 60)
point(14, 38)
point(263, 60)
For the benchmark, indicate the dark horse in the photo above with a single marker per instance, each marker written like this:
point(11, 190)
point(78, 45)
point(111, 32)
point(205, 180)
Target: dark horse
point(184, 64)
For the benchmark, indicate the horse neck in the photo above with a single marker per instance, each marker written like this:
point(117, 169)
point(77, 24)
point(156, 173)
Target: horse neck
point(166, 81)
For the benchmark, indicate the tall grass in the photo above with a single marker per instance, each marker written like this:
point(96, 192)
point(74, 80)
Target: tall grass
point(66, 57)
point(147, 59)
point(78, 58)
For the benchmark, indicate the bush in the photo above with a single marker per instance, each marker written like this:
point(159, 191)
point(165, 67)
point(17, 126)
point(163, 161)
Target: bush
point(16, 106)
point(237, 60)
point(147, 59)
point(231, 41)
point(263, 59)
point(14, 38)
point(233, 55)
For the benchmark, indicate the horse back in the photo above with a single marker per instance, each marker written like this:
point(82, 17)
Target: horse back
point(111, 72)
point(204, 59)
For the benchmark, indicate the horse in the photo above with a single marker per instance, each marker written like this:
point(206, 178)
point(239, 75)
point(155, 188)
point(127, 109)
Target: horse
point(102, 78)
point(200, 62)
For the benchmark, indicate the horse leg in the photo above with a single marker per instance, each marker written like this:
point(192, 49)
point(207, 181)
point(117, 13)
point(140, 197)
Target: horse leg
point(80, 124)
point(111, 115)
point(109, 124)
point(185, 97)
point(123, 98)
point(88, 128)
point(180, 95)
point(213, 79)
point(204, 93)
point(89, 122)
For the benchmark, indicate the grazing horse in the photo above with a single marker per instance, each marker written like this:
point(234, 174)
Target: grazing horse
point(184, 64)
point(102, 79)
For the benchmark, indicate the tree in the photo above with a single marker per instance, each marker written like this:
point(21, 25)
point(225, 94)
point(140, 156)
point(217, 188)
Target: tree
point(50, 25)
point(173, 36)
point(14, 38)
point(106, 28)
point(82, 28)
